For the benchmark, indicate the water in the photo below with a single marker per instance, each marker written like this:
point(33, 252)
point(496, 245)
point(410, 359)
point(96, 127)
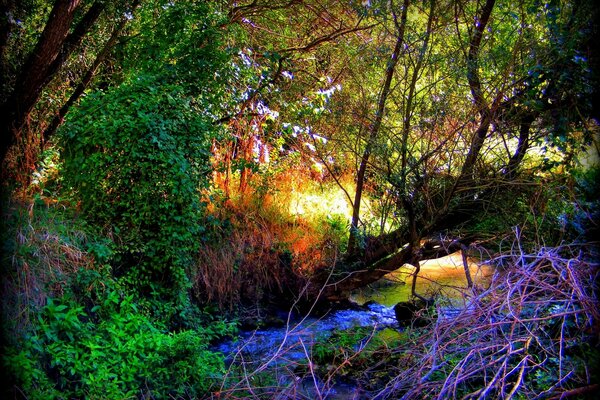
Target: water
point(443, 277)
point(285, 353)
point(297, 338)
point(284, 348)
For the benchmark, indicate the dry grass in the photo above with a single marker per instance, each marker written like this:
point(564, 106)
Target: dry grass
point(267, 243)
point(44, 253)
point(242, 267)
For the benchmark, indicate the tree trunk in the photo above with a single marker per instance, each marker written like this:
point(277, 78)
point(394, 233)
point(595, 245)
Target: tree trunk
point(476, 91)
point(74, 39)
point(464, 252)
point(35, 73)
point(336, 284)
point(510, 172)
point(53, 49)
point(89, 75)
point(374, 130)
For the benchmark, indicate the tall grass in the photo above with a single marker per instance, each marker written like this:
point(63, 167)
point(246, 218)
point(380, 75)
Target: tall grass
point(280, 230)
point(43, 248)
point(74, 330)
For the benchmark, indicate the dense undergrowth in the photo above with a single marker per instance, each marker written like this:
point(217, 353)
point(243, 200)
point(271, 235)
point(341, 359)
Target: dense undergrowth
point(269, 241)
point(73, 330)
point(76, 328)
point(79, 319)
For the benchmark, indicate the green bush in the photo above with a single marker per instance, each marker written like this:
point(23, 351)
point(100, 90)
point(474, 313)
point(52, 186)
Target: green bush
point(136, 157)
point(77, 332)
point(112, 351)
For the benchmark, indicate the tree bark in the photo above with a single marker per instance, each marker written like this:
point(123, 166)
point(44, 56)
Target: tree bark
point(339, 286)
point(74, 39)
point(482, 105)
point(87, 78)
point(511, 170)
point(35, 73)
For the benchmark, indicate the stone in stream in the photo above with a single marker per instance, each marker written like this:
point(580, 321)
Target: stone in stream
point(412, 313)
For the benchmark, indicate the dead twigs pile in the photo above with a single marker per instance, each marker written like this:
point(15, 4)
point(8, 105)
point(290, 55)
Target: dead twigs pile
point(533, 334)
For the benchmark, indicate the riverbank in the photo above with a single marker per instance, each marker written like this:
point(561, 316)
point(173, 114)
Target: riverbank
point(536, 322)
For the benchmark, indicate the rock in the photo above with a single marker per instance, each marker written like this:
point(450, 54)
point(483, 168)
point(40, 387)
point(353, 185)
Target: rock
point(411, 313)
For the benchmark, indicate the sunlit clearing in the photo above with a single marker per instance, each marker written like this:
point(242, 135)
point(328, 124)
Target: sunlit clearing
point(313, 200)
point(331, 202)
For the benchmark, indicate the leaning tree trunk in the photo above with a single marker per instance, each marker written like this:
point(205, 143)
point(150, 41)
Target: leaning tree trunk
point(337, 282)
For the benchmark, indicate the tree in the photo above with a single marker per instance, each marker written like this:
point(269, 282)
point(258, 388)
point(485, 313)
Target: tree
point(136, 154)
point(68, 25)
point(375, 126)
point(445, 174)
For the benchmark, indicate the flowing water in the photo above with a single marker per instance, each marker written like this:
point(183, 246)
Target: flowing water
point(272, 347)
point(283, 351)
point(300, 334)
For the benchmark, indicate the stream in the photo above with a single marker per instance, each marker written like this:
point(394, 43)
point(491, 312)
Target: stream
point(276, 346)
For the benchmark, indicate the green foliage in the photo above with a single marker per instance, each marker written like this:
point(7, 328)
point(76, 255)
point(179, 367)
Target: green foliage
point(182, 42)
point(111, 350)
point(550, 213)
point(137, 156)
point(338, 345)
point(336, 230)
point(43, 246)
point(76, 332)
point(536, 212)
point(364, 341)
point(582, 220)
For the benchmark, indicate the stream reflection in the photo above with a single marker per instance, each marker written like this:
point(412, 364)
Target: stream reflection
point(442, 276)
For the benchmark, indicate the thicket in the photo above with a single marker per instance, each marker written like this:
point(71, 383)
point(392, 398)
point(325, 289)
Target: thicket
point(81, 330)
point(98, 265)
point(136, 157)
point(74, 330)
point(270, 239)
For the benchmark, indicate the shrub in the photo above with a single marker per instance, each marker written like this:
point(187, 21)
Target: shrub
point(112, 351)
point(136, 156)
point(43, 247)
point(73, 331)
